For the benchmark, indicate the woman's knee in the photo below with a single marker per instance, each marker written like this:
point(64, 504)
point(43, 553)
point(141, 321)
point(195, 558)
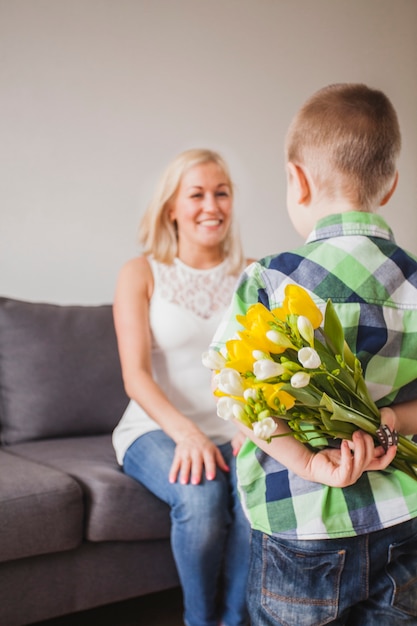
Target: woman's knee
point(206, 502)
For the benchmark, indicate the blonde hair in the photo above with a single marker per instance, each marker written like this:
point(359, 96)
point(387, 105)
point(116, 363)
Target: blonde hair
point(157, 233)
point(348, 135)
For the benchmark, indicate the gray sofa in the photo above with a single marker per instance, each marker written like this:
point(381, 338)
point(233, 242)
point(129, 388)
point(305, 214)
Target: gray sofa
point(75, 532)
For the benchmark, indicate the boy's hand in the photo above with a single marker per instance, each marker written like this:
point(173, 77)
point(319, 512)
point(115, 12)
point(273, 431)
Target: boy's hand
point(343, 467)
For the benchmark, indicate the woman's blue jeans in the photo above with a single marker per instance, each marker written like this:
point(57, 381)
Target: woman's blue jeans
point(370, 580)
point(210, 535)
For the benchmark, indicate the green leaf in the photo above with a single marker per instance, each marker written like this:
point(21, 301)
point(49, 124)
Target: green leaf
point(343, 413)
point(304, 395)
point(348, 356)
point(333, 330)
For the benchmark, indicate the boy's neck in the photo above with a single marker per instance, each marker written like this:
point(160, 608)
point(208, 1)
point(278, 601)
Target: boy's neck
point(326, 206)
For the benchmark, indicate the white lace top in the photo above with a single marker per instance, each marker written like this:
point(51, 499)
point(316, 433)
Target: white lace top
point(186, 307)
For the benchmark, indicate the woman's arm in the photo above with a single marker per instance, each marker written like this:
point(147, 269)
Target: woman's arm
point(194, 450)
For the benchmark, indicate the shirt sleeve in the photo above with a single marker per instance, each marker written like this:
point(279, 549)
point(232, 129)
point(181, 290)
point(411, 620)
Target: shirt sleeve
point(249, 287)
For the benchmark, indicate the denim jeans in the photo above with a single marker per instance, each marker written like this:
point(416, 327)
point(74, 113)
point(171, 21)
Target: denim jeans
point(210, 534)
point(370, 580)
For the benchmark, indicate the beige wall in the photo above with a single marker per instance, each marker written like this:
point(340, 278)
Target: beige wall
point(96, 96)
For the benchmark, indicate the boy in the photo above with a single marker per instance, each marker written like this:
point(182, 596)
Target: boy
point(334, 543)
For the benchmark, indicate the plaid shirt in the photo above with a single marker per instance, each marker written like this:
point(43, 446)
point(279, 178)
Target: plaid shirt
point(351, 258)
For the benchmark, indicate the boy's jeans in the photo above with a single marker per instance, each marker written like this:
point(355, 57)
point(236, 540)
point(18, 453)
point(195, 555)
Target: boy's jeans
point(370, 580)
point(209, 531)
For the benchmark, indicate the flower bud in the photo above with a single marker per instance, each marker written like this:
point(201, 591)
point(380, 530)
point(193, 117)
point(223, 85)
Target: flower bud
point(305, 328)
point(250, 393)
point(239, 412)
point(300, 379)
point(226, 408)
point(213, 360)
point(279, 339)
point(266, 368)
point(258, 355)
point(265, 428)
point(228, 381)
point(309, 358)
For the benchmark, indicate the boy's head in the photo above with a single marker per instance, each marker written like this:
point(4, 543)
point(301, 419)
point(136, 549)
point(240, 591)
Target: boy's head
point(348, 138)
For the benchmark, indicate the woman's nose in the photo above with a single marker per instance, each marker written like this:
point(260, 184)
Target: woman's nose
point(210, 202)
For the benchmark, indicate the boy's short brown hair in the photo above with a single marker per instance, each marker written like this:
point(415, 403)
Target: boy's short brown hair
point(348, 136)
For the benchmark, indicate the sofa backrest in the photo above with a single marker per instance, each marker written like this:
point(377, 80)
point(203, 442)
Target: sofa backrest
point(59, 371)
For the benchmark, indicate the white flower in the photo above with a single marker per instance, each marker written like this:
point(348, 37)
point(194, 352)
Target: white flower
point(228, 409)
point(300, 379)
point(213, 360)
point(266, 368)
point(279, 339)
point(239, 412)
point(265, 428)
point(309, 358)
point(229, 381)
point(250, 393)
point(258, 355)
point(305, 328)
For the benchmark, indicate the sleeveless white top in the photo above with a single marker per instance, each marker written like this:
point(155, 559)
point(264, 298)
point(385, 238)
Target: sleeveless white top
point(186, 307)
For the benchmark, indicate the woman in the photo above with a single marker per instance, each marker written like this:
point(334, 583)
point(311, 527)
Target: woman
point(168, 303)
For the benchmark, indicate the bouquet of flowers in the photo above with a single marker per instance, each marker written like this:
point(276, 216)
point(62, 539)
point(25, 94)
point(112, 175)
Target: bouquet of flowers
point(291, 363)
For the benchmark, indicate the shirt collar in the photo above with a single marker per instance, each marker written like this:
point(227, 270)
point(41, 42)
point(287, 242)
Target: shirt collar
point(351, 223)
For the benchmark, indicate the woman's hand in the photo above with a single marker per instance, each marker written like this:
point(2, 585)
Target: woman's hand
point(237, 442)
point(194, 454)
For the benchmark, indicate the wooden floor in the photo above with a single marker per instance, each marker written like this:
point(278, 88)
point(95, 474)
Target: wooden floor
point(159, 609)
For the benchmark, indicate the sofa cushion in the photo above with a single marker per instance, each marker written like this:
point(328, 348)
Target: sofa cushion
point(59, 371)
point(41, 509)
point(118, 508)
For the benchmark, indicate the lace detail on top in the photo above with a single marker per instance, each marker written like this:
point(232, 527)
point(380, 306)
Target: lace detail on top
point(204, 292)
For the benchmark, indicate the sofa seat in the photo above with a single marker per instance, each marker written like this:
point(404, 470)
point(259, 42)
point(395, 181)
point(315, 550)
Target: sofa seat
point(117, 508)
point(41, 509)
point(75, 531)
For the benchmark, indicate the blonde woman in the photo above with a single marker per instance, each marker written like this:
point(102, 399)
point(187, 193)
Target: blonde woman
point(168, 303)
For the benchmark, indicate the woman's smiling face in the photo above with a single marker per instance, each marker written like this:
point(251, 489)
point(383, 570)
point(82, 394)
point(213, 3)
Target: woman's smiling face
point(202, 207)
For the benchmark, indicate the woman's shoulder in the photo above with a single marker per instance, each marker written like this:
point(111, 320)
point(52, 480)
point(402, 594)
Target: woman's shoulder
point(137, 273)
point(136, 264)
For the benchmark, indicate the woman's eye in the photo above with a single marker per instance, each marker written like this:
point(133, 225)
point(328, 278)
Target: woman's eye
point(223, 193)
point(197, 195)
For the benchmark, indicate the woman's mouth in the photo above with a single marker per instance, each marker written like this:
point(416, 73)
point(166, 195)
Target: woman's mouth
point(210, 222)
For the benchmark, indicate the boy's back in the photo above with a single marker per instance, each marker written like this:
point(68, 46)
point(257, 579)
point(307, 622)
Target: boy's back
point(341, 149)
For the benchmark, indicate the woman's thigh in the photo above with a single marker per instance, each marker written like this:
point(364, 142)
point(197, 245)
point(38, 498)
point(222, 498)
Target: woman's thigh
point(149, 460)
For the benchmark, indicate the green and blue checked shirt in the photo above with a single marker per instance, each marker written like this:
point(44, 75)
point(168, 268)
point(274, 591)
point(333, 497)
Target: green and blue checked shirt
point(351, 258)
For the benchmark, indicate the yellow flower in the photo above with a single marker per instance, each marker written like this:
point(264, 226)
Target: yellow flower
point(298, 302)
point(276, 397)
point(240, 355)
point(257, 316)
point(257, 325)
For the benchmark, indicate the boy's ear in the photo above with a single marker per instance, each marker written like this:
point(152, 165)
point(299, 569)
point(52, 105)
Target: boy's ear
point(391, 191)
point(299, 179)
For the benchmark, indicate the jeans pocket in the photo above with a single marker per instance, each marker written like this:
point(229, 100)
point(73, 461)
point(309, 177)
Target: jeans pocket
point(300, 587)
point(402, 569)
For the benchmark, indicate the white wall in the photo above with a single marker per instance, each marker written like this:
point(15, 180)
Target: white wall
point(97, 96)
